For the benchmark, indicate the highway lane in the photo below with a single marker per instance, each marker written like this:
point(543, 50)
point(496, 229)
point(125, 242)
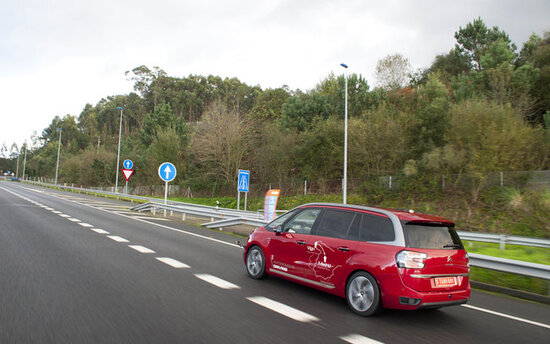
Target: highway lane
point(64, 282)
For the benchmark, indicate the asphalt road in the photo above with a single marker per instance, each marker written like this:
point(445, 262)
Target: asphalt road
point(79, 269)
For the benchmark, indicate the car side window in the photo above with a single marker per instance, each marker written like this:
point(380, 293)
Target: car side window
point(376, 228)
point(303, 222)
point(280, 220)
point(335, 223)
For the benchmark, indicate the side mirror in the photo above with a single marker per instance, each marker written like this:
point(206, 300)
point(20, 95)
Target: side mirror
point(278, 230)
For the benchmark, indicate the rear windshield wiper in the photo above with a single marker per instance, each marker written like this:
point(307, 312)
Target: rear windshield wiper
point(451, 246)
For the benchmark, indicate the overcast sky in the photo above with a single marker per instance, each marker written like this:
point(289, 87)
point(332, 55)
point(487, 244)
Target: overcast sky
point(58, 55)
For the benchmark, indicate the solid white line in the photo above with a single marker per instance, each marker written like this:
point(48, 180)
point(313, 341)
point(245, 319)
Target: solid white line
point(117, 238)
point(173, 263)
point(218, 282)
point(99, 231)
point(358, 339)
point(141, 249)
point(507, 316)
point(84, 224)
point(73, 219)
point(283, 309)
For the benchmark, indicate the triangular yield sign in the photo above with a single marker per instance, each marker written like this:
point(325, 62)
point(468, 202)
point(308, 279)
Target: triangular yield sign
point(127, 173)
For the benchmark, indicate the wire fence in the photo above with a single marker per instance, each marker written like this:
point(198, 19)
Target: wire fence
point(522, 180)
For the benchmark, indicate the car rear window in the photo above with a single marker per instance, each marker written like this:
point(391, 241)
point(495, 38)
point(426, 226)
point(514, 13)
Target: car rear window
point(431, 236)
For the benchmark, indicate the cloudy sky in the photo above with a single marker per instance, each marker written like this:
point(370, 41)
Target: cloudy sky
point(58, 55)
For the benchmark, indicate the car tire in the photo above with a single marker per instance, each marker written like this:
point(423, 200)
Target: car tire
point(255, 263)
point(363, 294)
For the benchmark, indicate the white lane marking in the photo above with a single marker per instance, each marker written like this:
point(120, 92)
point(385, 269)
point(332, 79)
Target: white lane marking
point(283, 309)
point(141, 249)
point(173, 263)
point(147, 218)
point(64, 215)
point(50, 209)
point(358, 339)
point(99, 231)
point(144, 221)
point(507, 316)
point(117, 238)
point(56, 212)
point(73, 219)
point(84, 224)
point(218, 282)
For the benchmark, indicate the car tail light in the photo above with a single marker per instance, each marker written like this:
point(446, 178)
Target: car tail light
point(411, 259)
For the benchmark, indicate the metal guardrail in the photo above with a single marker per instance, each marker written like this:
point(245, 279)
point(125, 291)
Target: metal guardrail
point(510, 266)
point(503, 239)
point(223, 217)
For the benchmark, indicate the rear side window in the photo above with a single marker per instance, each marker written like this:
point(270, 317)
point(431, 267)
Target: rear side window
point(369, 227)
point(431, 236)
point(335, 223)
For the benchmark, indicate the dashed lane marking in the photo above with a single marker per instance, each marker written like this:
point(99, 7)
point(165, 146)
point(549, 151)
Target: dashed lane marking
point(283, 309)
point(64, 215)
point(141, 249)
point(84, 224)
point(117, 238)
point(358, 339)
point(73, 219)
point(99, 231)
point(173, 263)
point(218, 282)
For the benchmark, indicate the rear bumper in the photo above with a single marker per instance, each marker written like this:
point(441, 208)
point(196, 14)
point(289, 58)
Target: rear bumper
point(398, 298)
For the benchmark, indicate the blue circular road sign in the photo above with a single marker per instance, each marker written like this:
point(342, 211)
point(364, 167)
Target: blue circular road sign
point(167, 171)
point(128, 164)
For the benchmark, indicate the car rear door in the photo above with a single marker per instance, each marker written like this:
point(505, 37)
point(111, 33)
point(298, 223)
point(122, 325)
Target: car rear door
point(330, 249)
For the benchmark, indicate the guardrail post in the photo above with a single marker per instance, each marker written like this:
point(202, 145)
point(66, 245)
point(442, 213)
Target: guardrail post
point(154, 211)
point(502, 242)
point(183, 216)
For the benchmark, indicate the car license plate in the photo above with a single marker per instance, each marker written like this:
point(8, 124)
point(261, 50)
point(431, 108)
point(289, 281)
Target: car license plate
point(444, 282)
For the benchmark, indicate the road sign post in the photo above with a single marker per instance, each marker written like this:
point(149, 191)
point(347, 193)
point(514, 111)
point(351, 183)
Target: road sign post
point(167, 172)
point(243, 185)
point(128, 164)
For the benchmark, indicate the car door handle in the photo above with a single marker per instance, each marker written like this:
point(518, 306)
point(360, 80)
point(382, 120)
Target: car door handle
point(343, 248)
point(300, 242)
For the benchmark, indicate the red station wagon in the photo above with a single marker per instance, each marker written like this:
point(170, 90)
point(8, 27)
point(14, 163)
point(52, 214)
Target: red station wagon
point(375, 258)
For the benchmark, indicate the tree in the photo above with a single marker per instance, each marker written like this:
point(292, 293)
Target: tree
point(161, 118)
point(220, 142)
point(485, 137)
point(393, 72)
point(474, 40)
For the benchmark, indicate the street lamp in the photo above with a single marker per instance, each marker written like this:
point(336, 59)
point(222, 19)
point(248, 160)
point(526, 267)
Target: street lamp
point(345, 181)
point(118, 155)
point(58, 151)
point(25, 161)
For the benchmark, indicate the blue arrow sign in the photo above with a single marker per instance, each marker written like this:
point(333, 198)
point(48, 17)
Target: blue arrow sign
point(128, 164)
point(244, 181)
point(167, 171)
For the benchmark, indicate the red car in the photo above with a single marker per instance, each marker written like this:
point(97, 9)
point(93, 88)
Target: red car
point(375, 258)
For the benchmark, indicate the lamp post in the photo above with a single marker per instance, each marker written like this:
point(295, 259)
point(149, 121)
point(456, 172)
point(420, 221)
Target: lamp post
point(25, 161)
point(118, 155)
point(58, 151)
point(345, 180)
